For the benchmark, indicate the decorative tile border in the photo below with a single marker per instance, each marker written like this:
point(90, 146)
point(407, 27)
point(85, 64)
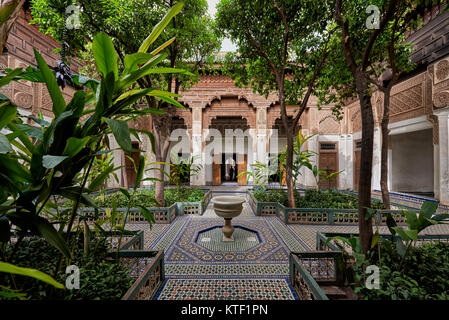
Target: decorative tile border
point(226, 289)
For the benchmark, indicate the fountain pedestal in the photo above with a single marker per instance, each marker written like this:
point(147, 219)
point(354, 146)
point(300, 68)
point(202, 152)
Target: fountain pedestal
point(228, 230)
point(228, 207)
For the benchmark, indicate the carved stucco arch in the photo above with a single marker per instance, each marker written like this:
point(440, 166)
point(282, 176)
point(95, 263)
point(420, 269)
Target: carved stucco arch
point(211, 112)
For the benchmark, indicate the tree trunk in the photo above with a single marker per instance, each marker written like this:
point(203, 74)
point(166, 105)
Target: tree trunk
point(288, 170)
point(5, 28)
point(384, 150)
point(159, 185)
point(366, 162)
point(161, 132)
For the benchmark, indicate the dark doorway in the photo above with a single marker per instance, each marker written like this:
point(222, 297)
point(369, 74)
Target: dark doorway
point(229, 169)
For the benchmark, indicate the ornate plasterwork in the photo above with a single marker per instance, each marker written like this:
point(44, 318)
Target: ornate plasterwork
point(328, 123)
point(441, 99)
point(407, 99)
point(440, 86)
point(441, 70)
point(435, 128)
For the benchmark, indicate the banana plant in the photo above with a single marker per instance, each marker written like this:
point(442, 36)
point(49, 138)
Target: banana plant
point(301, 157)
point(416, 223)
point(260, 174)
point(9, 293)
point(54, 158)
point(183, 168)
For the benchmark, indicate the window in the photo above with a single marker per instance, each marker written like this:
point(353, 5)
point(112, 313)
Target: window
point(327, 146)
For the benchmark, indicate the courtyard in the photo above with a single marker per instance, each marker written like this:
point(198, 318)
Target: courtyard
point(224, 150)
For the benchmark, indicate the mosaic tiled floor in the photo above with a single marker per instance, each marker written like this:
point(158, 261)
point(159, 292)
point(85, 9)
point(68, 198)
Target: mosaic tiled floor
point(218, 289)
point(199, 266)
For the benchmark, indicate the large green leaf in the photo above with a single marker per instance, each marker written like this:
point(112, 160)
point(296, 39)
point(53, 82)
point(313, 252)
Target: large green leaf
point(6, 9)
point(99, 180)
point(59, 104)
point(147, 214)
point(132, 61)
point(428, 208)
point(149, 92)
point(407, 235)
point(16, 171)
point(121, 133)
point(10, 77)
point(412, 219)
point(140, 170)
point(7, 114)
point(5, 146)
point(73, 193)
point(33, 273)
point(39, 225)
point(74, 145)
point(105, 55)
point(163, 46)
point(127, 79)
point(49, 161)
point(157, 30)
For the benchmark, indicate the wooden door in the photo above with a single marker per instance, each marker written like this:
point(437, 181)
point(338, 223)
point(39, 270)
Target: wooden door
point(216, 174)
point(329, 163)
point(357, 156)
point(241, 167)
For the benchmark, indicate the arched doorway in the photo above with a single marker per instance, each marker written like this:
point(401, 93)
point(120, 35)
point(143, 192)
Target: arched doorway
point(231, 158)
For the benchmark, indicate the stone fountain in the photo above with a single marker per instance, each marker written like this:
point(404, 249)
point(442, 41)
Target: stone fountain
point(228, 207)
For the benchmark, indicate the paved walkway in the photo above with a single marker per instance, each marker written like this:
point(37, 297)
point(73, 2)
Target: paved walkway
point(198, 265)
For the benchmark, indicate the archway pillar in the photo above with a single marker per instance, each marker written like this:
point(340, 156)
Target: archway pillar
point(442, 156)
point(198, 151)
point(261, 143)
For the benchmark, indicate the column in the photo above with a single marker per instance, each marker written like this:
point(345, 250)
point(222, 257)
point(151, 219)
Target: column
point(346, 162)
point(197, 146)
point(443, 155)
point(377, 148)
point(261, 134)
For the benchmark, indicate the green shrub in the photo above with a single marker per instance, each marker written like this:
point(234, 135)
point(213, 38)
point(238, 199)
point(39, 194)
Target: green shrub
point(314, 199)
point(146, 198)
point(424, 274)
point(98, 279)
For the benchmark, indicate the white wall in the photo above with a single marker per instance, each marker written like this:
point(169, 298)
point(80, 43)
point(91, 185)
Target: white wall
point(412, 162)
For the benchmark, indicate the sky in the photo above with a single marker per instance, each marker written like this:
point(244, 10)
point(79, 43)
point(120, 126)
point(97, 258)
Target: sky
point(226, 45)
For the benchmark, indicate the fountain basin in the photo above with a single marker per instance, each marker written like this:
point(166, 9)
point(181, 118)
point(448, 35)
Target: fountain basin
point(228, 207)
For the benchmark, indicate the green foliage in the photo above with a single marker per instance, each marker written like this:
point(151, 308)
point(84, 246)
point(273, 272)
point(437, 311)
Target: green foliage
point(271, 196)
point(181, 170)
point(426, 275)
point(260, 173)
point(57, 163)
point(146, 198)
point(28, 272)
point(131, 22)
point(314, 199)
point(99, 279)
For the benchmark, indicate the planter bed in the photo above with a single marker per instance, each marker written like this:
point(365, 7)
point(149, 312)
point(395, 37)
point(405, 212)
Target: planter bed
point(147, 268)
point(322, 237)
point(318, 276)
point(161, 215)
point(195, 208)
point(327, 216)
point(331, 216)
